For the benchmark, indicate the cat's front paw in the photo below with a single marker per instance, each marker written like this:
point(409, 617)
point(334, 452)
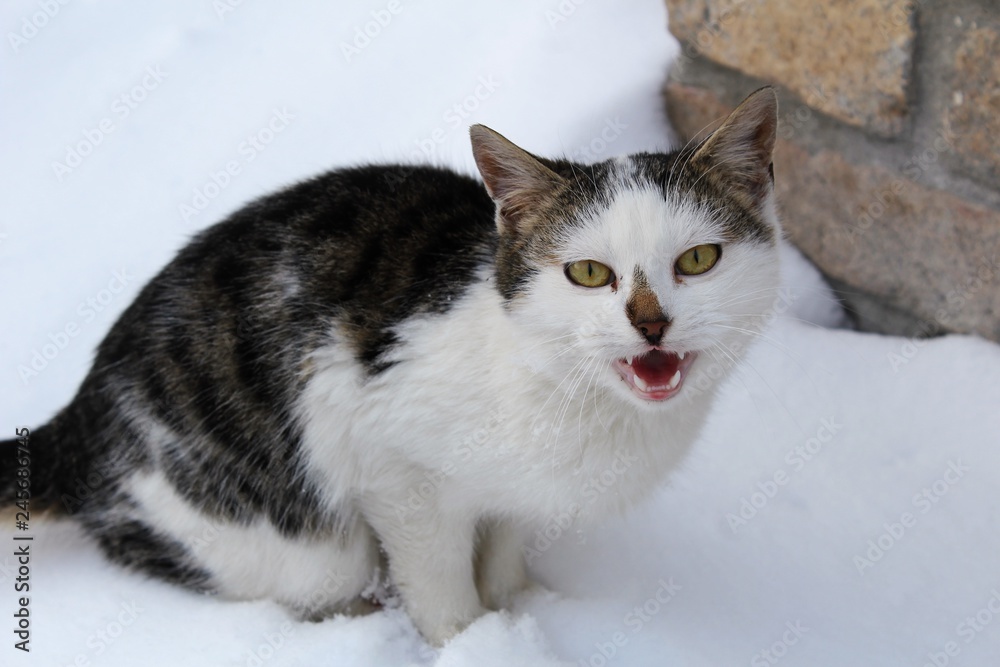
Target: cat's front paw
point(439, 628)
point(498, 592)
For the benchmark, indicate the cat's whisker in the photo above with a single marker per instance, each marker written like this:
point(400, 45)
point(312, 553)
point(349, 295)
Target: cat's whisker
point(541, 410)
point(744, 297)
point(557, 355)
point(781, 347)
point(587, 375)
point(802, 320)
point(759, 335)
point(567, 401)
point(555, 430)
point(799, 362)
point(746, 364)
point(690, 151)
point(793, 294)
point(551, 340)
point(588, 174)
point(597, 409)
point(719, 164)
point(735, 363)
point(596, 365)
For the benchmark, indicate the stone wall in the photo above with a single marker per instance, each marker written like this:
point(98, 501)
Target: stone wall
point(888, 160)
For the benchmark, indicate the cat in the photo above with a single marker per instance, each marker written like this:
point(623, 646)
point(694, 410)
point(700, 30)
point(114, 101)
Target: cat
point(396, 374)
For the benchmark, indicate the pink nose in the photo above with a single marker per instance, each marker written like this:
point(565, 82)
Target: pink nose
point(653, 331)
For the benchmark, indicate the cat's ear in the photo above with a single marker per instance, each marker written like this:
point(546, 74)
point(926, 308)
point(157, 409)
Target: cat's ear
point(517, 181)
point(741, 148)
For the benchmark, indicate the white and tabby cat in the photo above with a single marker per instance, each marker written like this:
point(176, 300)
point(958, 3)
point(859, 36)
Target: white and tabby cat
point(396, 367)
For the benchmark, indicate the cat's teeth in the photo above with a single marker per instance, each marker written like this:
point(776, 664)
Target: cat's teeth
point(675, 380)
point(628, 359)
point(640, 383)
point(680, 355)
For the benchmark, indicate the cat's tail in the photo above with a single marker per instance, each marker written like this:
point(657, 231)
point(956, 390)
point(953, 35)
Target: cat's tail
point(35, 466)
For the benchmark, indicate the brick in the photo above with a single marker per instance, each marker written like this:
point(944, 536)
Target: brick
point(919, 250)
point(972, 114)
point(850, 59)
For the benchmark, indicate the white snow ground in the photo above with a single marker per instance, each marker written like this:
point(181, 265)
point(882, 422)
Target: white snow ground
point(677, 582)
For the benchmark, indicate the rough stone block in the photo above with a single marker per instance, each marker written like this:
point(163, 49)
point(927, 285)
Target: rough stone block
point(972, 115)
point(850, 59)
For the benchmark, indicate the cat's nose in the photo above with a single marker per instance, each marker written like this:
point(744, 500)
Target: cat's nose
point(653, 331)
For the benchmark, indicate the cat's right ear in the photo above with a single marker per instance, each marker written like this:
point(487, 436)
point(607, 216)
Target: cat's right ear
point(517, 181)
point(741, 148)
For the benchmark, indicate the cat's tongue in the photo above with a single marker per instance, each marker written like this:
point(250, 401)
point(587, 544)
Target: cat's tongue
point(656, 375)
point(656, 367)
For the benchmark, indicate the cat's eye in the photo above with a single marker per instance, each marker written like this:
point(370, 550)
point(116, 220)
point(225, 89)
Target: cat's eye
point(698, 259)
point(589, 273)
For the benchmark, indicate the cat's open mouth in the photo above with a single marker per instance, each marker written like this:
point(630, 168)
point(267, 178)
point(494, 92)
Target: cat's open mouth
point(656, 375)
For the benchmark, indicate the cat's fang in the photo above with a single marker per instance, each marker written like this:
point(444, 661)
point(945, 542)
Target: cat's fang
point(676, 379)
point(680, 355)
point(640, 383)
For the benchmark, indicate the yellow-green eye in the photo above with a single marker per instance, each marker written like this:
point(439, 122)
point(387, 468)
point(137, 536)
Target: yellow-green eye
point(698, 259)
point(589, 273)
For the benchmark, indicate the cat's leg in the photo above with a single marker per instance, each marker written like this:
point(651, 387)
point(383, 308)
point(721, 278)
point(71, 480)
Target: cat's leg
point(312, 574)
point(430, 555)
point(500, 571)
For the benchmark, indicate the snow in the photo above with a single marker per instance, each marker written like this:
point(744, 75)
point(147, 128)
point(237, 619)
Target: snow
point(903, 435)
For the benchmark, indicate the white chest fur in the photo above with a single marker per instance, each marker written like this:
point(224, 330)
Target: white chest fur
point(461, 421)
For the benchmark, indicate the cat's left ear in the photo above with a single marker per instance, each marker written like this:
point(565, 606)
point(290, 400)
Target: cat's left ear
point(517, 181)
point(741, 149)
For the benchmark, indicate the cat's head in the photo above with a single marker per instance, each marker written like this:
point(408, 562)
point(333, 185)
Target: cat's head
point(638, 272)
